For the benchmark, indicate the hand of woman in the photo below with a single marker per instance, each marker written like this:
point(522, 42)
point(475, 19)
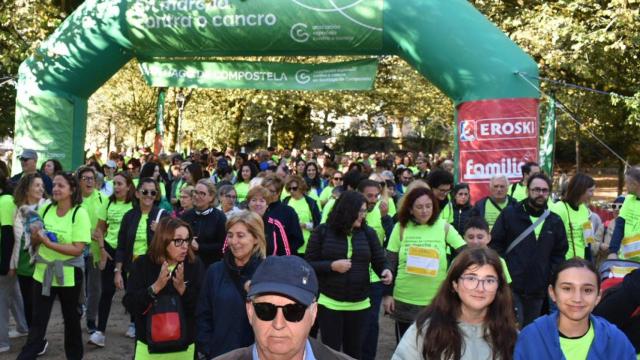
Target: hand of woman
point(384, 208)
point(118, 281)
point(387, 277)
point(37, 235)
point(389, 304)
point(163, 278)
point(341, 266)
point(153, 226)
point(104, 257)
point(178, 279)
point(612, 256)
point(194, 244)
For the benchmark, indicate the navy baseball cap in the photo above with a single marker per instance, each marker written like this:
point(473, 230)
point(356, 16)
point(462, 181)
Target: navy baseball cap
point(289, 276)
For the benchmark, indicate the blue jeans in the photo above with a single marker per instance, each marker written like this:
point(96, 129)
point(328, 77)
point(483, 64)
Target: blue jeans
point(372, 327)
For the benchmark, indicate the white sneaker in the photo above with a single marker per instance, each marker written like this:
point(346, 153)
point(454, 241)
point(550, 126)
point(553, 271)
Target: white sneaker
point(131, 331)
point(44, 348)
point(4, 349)
point(13, 334)
point(97, 339)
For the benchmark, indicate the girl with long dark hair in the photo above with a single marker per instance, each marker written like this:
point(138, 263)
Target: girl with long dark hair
point(312, 177)
point(470, 317)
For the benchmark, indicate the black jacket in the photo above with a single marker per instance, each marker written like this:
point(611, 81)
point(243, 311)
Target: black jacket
point(316, 216)
point(460, 216)
point(532, 261)
point(127, 234)
point(282, 230)
point(479, 207)
point(137, 299)
point(326, 246)
point(320, 352)
point(210, 232)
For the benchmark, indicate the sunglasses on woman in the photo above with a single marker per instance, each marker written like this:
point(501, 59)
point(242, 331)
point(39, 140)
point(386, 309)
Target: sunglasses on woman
point(268, 311)
point(148, 192)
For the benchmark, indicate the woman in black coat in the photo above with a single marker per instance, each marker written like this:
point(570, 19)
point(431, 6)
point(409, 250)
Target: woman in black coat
point(461, 202)
point(341, 252)
point(169, 268)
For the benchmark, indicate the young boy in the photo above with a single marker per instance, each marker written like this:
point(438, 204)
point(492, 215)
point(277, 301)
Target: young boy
point(476, 233)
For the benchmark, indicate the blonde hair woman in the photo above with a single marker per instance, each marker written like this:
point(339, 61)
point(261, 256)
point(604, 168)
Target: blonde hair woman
point(222, 321)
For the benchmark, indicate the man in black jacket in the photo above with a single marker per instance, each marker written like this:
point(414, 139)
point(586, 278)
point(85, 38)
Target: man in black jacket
point(491, 206)
point(281, 223)
point(532, 260)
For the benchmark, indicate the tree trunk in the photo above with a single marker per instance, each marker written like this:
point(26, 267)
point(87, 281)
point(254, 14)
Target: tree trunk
point(578, 148)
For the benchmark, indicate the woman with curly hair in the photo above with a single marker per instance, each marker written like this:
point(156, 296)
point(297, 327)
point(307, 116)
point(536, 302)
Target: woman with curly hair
point(470, 317)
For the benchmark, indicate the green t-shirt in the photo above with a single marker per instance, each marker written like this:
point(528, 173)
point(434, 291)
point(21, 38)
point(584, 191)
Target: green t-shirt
point(446, 213)
point(577, 349)
point(142, 353)
point(94, 204)
point(242, 189)
point(7, 209)
point(68, 232)
point(576, 224)
point(422, 261)
point(327, 209)
point(505, 269)
point(114, 214)
point(325, 195)
point(630, 212)
point(519, 192)
point(492, 211)
point(140, 243)
point(538, 228)
point(301, 208)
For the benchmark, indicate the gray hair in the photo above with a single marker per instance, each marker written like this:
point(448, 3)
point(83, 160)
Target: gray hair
point(498, 176)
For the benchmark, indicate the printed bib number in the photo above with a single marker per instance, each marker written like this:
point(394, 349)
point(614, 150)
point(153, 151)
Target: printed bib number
point(621, 271)
point(588, 233)
point(631, 246)
point(423, 261)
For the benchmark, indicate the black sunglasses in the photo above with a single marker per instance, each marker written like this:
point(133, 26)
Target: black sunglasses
point(293, 188)
point(268, 311)
point(149, 192)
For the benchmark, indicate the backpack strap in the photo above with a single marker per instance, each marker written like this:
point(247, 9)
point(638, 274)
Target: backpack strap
point(46, 210)
point(513, 188)
point(286, 200)
point(75, 211)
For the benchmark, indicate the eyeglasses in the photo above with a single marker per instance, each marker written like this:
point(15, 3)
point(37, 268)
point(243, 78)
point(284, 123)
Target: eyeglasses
point(180, 242)
point(200, 193)
point(228, 196)
point(268, 311)
point(337, 178)
point(148, 192)
point(615, 206)
point(88, 178)
point(293, 188)
point(471, 282)
point(540, 191)
point(443, 191)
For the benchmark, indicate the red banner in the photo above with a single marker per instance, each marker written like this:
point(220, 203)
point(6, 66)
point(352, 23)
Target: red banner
point(495, 137)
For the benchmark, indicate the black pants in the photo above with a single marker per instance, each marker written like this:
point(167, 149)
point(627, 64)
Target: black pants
point(42, 305)
point(108, 289)
point(343, 330)
point(26, 289)
point(528, 308)
point(401, 328)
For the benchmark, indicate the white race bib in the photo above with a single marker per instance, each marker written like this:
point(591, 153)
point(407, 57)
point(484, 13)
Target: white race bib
point(423, 261)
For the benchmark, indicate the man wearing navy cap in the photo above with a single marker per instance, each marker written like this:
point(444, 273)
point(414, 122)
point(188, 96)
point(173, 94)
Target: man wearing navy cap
point(281, 307)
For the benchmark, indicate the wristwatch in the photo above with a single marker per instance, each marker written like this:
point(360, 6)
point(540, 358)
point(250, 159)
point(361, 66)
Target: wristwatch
point(150, 292)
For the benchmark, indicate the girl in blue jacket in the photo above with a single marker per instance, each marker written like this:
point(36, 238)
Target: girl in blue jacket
point(572, 332)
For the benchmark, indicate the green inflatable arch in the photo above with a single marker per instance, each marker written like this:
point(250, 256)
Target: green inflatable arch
point(448, 41)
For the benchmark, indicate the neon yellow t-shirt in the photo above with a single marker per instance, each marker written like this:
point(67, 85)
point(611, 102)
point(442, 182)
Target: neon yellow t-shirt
point(538, 228)
point(140, 243)
point(114, 214)
point(327, 209)
point(301, 208)
point(325, 195)
point(142, 353)
point(630, 212)
point(422, 261)
point(94, 204)
point(519, 193)
point(577, 349)
point(446, 213)
point(505, 269)
point(491, 212)
point(68, 232)
point(242, 189)
point(575, 223)
point(374, 220)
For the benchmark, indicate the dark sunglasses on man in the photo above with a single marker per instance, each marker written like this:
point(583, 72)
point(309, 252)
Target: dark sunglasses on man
point(267, 311)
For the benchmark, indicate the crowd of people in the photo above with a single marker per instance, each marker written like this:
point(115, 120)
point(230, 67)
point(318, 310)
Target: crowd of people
point(294, 255)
